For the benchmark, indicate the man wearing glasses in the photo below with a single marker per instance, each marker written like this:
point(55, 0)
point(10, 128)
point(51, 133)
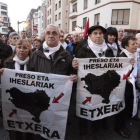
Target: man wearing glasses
point(54, 58)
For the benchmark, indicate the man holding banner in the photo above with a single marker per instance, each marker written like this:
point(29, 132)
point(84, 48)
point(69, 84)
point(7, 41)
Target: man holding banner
point(101, 81)
point(54, 58)
point(38, 101)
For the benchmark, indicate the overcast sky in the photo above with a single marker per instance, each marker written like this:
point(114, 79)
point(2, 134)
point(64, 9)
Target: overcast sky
point(18, 10)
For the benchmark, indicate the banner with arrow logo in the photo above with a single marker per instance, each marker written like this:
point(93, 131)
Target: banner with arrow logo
point(101, 86)
point(36, 102)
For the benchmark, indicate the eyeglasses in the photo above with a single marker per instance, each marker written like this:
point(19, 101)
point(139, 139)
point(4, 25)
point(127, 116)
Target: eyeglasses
point(16, 38)
point(53, 33)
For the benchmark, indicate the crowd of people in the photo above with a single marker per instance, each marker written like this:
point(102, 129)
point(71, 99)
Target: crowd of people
point(45, 53)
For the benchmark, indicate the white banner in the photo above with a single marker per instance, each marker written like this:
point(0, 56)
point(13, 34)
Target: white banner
point(36, 102)
point(101, 86)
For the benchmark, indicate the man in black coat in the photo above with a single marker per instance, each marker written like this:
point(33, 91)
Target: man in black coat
point(5, 52)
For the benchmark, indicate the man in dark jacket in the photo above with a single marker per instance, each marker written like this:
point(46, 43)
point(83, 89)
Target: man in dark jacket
point(92, 47)
point(72, 47)
point(5, 52)
point(54, 58)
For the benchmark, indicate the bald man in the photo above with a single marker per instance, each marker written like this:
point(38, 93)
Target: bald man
point(72, 47)
point(120, 37)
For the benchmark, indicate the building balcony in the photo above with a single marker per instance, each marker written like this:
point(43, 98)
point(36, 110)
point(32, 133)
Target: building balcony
point(72, 1)
point(73, 14)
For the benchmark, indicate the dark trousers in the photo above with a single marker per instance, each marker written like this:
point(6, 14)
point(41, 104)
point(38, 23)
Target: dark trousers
point(16, 135)
point(83, 126)
point(127, 112)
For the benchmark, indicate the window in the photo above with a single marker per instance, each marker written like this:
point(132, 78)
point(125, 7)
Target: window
point(66, 27)
point(5, 24)
point(36, 14)
point(4, 7)
point(85, 4)
point(84, 22)
point(73, 25)
point(50, 11)
point(59, 25)
point(55, 7)
point(50, 2)
point(96, 19)
point(120, 17)
point(97, 1)
point(59, 15)
point(5, 19)
point(50, 20)
point(75, 7)
point(66, 13)
point(55, 17)
point(4, 29)
point(3, 13)
point(59, 4)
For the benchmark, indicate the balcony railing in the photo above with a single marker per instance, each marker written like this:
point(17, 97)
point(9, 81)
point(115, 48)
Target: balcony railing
point(73, 14)
point(73, 1)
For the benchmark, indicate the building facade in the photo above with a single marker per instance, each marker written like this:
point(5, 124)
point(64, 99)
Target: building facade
point(44, 14)
point(117, 13)
point(4, 19)
point(29, 28)
point(58, 14)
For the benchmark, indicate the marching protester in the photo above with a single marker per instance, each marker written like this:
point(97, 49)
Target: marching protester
point(92, 48)
point(24, 35)
point(37, 44)
point(129, 43)
point(72, 47)
point(5, 52)
point(111, 39)
point(19, 61)
point(13, 37)
point(62, 39)
point(10, 30)
point(4, 39)
point(54, 58)
point(32, 41)
point(120, 37)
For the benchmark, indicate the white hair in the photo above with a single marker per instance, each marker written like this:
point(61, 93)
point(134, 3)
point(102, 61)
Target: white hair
point(120, 29)
point(138, 35)
point(53, 26)
point(75, 32)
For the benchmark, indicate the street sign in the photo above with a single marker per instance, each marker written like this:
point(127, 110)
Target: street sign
point(34, 27)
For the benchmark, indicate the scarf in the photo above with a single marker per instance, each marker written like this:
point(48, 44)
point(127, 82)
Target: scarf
point(128, 54)
point(97, 49)
point(13, 47)
point(19, 62)
point(50, 50)
point(120, 45)
point(114, 48)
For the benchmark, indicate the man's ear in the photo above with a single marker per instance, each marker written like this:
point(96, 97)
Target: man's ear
point(126, 47)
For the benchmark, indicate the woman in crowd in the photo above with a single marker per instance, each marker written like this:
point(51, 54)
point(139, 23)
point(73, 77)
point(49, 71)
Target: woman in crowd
point(111, 40)
point(18, 62)
point(37, 44)
point(4, 39)
point(129, 43)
